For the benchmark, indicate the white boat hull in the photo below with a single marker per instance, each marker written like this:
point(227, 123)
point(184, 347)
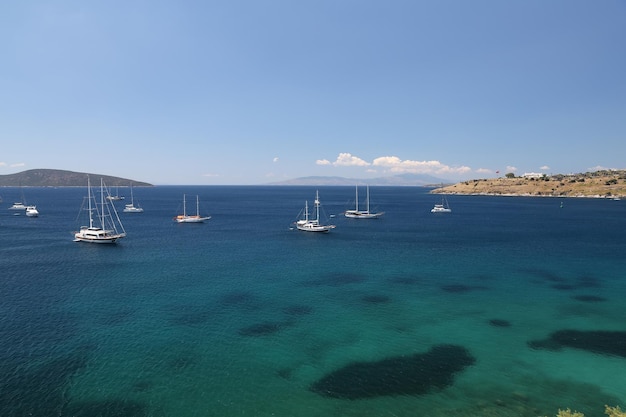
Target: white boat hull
point(132, 209)
point(313, 227)
point(97, 235)
point(354, 214)
point(191, 219)
point(440, 209)
point(31, 211)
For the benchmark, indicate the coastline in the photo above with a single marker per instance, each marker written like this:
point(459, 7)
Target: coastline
point(602, 184)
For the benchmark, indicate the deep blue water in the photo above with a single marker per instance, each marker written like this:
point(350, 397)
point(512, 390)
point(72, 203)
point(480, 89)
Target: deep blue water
point(243, 316)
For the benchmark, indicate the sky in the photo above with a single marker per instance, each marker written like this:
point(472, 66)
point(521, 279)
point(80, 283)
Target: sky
point(244, 92)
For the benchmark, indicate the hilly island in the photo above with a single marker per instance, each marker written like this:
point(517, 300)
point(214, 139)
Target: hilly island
point(597, 184)
point(61, 178)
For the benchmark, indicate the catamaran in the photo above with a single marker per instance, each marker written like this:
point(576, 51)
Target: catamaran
point(362, 214)
point(18, 206)
point(444, 207)
point(103, 219)
point(185, 218)
point(313, 225)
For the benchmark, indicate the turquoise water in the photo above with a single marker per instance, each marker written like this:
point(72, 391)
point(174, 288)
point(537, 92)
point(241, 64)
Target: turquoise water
point(243, 316)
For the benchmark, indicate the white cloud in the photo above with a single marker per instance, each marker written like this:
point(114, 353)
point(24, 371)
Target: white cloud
point(3, 164)
point(397, 165)
point(19, 164)
point(511, 169)
point(545, 168)
point(211, 175)
point(275, 159)
point(347, 159)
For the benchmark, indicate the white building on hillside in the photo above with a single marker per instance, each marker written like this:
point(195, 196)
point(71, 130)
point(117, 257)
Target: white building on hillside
point(535, 175)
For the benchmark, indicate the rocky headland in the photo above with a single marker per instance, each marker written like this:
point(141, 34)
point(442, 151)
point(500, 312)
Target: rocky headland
point(598, 184)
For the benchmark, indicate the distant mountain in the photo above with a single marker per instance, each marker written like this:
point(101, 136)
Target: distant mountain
point(61, 178)
point(397, 180)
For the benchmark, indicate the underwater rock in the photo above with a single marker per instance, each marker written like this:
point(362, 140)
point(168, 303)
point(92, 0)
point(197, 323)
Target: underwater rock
point(596, 341)
point(107, 408)
point(405, 280)
point(461, 288)
point(298, 310)
point(336, 279)
point(376, 299)
point(589, 298)
point(416, 374)
point(564, 287)
point(500, 323)
point(261, 329)
point(237, 297)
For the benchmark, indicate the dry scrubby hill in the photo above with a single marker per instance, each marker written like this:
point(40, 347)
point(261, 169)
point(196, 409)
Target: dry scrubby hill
point(600, 184)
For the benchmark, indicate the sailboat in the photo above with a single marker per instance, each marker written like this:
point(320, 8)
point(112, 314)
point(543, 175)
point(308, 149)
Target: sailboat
point(19, 205)
point(362, 214)
point(313, 225)
point(117, 196)
point(185, 218)
point(131, 208)
point(103, 219)
point(444, 207)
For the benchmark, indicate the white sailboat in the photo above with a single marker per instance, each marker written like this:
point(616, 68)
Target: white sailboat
point(313, 225)
point(185, 218)
point(131, 208)
point(362, 214)
point(444, 207)
point(103, 219)
point(19, 205)
point(117, 196)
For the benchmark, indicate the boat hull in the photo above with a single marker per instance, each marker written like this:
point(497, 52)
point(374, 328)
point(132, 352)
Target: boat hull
point(97, 235)
point(441, 210)
point(314, 228)
point(353, 214)
point(190, 219)
point(132, 209)
point(31, 211)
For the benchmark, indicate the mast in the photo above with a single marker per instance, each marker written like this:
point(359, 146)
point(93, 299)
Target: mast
point(357, 198)
point(102, 202)
point(89, 200)
point(317, 206)
point(367, 204)
point(197, 206)
point(184, 205)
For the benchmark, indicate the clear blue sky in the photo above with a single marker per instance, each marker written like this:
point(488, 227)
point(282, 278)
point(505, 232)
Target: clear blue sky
point(256, 91)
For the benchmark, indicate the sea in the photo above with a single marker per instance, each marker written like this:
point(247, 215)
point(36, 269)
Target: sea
point(507, 306)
